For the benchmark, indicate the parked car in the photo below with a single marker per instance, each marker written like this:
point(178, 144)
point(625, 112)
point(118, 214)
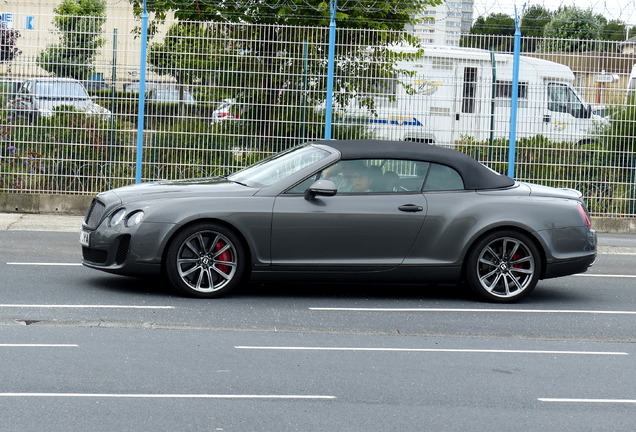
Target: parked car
point(133, 87)
point(225, 110)
point(40, 96)
point(9, 87)
point(340, 211)
point(96, 85)
point(170, 95)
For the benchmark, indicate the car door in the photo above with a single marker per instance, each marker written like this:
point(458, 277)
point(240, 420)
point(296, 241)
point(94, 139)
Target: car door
point(567, 118)
point(468, 102)
point(372, 227)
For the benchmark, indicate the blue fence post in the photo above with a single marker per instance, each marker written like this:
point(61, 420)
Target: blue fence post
point(514, 100)
point(330, 69)
point(142, 94)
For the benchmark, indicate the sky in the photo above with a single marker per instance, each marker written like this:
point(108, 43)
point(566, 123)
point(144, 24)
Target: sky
point(623, 10)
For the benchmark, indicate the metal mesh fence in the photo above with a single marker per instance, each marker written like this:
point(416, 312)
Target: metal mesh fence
point(220, 96)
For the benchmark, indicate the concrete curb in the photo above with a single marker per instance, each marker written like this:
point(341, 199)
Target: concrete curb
point(614, 225)
point(44, 203)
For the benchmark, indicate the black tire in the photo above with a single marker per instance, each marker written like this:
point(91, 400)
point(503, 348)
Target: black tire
point(206, 260)
point(503, 267)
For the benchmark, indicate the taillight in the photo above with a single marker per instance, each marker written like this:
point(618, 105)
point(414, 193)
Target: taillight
point(585, 215)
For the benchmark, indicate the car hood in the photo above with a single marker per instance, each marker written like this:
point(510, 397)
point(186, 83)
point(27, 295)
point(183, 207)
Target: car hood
point(175, 189)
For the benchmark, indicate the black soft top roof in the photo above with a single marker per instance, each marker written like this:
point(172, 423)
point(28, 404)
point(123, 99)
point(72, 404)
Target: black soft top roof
point(474, 174)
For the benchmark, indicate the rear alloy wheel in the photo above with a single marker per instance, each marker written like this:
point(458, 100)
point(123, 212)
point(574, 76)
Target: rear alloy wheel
point(503, 267)
point(205, 260)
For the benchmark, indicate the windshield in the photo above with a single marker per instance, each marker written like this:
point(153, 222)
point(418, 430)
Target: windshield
point(279, 166)
point(171, 96)
point(60, 89)
point(562, 98)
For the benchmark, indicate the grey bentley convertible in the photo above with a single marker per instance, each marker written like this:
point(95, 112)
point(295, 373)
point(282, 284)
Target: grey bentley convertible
point(341, 211)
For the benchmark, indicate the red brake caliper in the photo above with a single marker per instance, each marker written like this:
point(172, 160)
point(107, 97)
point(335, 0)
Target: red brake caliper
point(225, 256)
point(515, 257)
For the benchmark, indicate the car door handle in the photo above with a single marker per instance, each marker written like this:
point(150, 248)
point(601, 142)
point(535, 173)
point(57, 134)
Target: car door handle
point(412, 208)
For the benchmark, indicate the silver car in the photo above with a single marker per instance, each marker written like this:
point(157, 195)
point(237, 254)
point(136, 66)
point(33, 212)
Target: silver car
point(170, 95)
point(38, 97)
point(339, 211)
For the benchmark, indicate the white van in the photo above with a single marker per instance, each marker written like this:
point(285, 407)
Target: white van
point(458, 95)
point(631, 85)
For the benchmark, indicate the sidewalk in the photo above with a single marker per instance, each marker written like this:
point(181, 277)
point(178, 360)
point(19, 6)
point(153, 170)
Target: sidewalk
point(40, 222)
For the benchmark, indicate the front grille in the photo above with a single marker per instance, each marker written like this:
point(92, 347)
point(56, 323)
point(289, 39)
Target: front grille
point(122, 250)
point(95, 256)
point(94, 214)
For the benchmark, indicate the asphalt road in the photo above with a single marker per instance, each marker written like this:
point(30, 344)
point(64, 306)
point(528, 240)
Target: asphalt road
point(85, 351)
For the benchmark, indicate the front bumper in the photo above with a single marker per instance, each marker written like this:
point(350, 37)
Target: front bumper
point(133, 251)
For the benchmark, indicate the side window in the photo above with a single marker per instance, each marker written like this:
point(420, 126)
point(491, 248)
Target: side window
point(370, 176)
point(442, 178)
point(26, 88)
point(301, 187)
point(503, 89)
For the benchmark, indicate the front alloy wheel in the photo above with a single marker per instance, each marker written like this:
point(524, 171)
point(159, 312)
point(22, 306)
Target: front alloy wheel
point(205, 260)
point(503, 267)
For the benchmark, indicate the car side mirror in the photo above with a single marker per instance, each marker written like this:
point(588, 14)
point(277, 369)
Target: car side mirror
point(321, 188)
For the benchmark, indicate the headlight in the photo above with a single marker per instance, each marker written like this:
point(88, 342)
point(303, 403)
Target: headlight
point(117, 217)
point(134, 218)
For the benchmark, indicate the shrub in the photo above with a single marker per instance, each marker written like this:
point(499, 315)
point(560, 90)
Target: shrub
point(69, 151)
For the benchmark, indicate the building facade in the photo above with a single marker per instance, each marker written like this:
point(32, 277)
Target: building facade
point(444, 24)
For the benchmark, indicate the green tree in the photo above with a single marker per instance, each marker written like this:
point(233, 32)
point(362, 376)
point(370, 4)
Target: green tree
point(268, 66)
point(613, 30)
point(185, 53)
point(79, 23)
point(532, 25)
point(8, 48)
point(382, 15)
point(495, 31)
point(572, 30)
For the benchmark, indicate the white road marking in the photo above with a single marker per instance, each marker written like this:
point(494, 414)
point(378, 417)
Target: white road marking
point(605, 401)
point(615, 250)
point(43, 264)
point(164, 396)
point(61, 306)
point(38, 345)
point(605, 275)
point(453, 350)
point(538, 311)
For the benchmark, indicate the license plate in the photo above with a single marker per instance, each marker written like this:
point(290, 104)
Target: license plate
point(85, 238)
